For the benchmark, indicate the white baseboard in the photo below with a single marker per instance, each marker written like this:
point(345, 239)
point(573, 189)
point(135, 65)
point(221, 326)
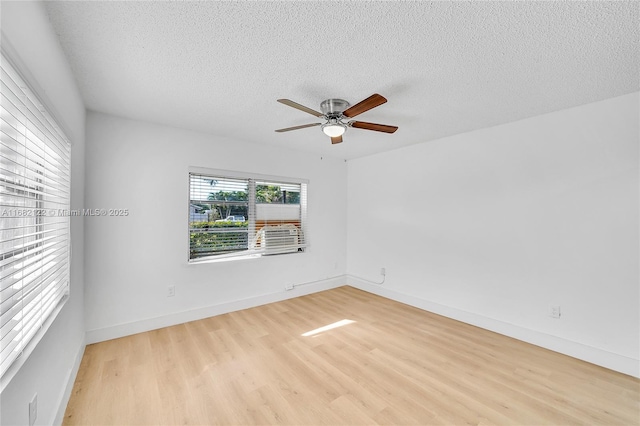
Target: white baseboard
point(587, 353)
point(127, 329)
point(71, 378)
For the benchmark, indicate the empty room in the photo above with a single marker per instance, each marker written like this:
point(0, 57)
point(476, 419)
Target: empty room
point(319, 213)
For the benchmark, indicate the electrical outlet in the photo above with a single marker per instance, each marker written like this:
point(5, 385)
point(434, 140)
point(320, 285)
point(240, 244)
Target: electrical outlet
point(383, 271)
point(554, 311)
point(171, 291)
point(33, 410)
point(289, 287)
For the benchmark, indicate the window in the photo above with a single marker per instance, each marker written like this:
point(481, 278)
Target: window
point(34, 196)
point(233, 216)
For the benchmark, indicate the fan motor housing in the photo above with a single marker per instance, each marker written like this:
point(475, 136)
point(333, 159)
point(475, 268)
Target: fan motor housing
point(333, 107)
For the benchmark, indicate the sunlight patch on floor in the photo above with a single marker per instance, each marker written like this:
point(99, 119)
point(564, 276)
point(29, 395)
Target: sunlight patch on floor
point(328, 327)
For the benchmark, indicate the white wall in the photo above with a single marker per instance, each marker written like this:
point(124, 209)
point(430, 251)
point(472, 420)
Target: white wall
point(29, 38)
point(130, 261)
point(492, 226)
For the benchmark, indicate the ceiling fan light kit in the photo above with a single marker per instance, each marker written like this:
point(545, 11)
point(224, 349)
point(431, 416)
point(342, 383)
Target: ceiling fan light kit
point(334, 129)
point(335, 111)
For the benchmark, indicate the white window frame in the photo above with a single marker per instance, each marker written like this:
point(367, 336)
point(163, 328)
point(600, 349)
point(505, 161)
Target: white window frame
point(34, 270)
point(252, 251)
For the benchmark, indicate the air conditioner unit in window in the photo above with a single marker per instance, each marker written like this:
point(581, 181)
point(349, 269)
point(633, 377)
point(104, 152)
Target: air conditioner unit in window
point(277, 239)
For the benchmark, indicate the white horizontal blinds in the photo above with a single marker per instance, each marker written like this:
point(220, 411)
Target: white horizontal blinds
point(218, 215)
point(279, 221)
point(34, 236)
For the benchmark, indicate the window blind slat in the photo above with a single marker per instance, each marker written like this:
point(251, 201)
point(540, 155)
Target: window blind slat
point(17, 295)
point(10, 307)
point(14, 315)
point(33, 109)
point(37, 303)
point(35, 265)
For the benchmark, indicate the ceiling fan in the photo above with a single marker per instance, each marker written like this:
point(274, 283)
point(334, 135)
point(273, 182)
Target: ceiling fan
point(335, 111)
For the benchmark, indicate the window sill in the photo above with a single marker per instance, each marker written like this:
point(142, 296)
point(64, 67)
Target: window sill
point(225, 259)
point(228, 258)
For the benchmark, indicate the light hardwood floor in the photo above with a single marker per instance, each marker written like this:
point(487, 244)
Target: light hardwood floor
point(394, 364)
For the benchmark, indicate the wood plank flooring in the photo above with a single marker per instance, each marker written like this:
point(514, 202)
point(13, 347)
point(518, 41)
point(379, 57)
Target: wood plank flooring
point(394, 364)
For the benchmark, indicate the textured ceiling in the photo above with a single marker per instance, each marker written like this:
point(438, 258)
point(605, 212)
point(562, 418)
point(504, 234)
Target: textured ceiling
point(445, 67)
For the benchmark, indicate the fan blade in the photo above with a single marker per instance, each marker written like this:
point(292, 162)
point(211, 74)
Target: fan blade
point(298, 127)
point(373, 126)
point(336, 139)
point(371, 102)
point(300, 107)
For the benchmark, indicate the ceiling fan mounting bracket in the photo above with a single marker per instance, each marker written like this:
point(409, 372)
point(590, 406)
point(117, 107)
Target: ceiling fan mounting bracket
point(334, 107)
